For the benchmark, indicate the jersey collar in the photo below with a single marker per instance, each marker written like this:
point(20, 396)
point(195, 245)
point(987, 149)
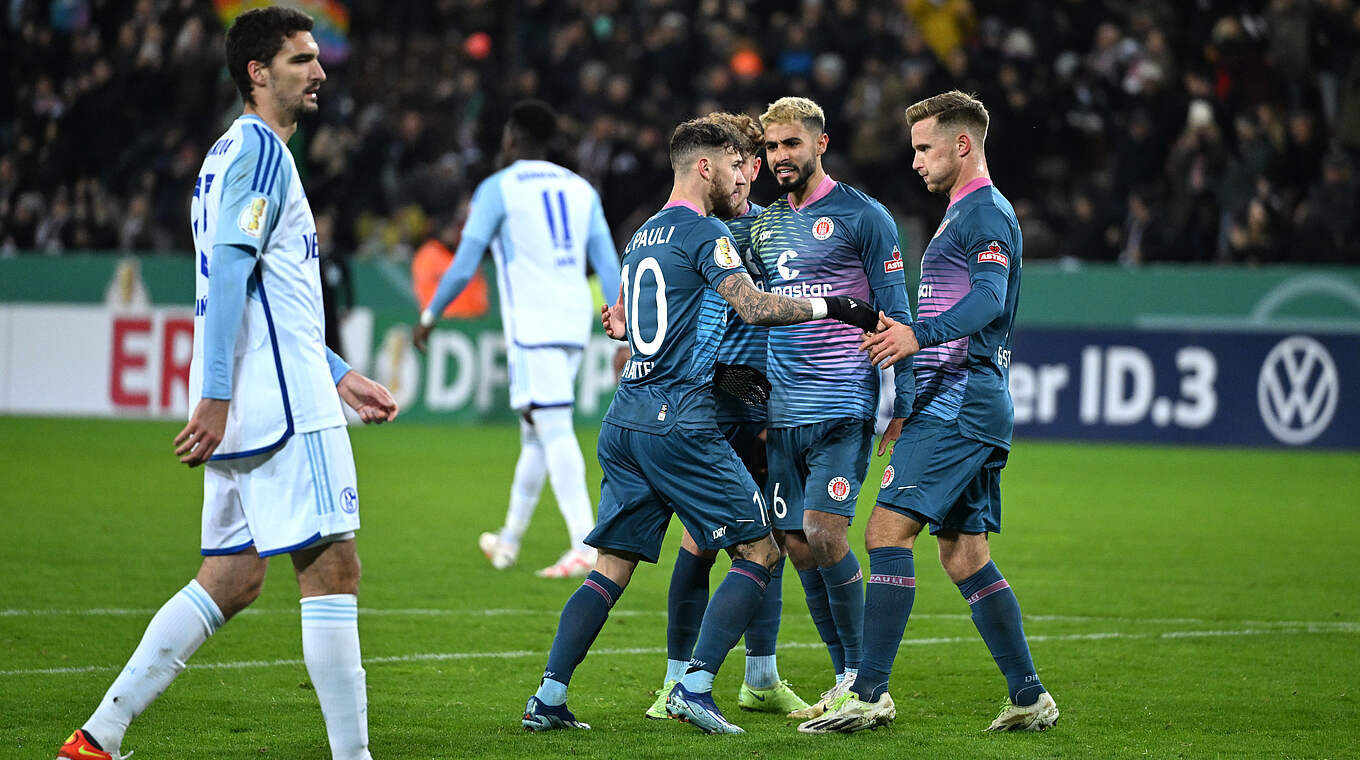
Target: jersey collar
point(973, 184)
point(824, 189)
point(686, 204)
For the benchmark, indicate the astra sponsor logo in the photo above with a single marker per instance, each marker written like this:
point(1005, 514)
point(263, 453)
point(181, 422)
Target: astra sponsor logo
point(895, 265)
point(994, 255)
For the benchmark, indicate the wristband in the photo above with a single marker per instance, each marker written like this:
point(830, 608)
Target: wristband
point(427, 318)
point(818, 308)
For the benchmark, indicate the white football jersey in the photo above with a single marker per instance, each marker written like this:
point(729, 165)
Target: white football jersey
point(539, 218)
point(248, 194)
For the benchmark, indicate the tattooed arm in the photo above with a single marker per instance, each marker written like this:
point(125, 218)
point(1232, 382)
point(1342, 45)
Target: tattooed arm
point(757, 307)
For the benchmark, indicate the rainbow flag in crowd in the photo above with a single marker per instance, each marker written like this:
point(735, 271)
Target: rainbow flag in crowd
point(332, 22)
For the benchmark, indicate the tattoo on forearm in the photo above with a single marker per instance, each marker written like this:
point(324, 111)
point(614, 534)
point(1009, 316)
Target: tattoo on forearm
point(758, 308)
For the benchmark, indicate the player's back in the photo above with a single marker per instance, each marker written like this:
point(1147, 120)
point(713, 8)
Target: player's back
point(816, 368)
point(968, 378)
point(540, 251)
point(675, 320)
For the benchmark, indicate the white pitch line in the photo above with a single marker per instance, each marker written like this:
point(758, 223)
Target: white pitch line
point(1305, 628)
point(510, 612)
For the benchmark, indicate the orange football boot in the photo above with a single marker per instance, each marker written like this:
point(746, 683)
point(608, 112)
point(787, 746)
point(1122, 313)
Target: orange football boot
point(81, 747)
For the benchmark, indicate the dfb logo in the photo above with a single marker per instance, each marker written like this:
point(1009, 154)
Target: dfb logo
point(1297, 390)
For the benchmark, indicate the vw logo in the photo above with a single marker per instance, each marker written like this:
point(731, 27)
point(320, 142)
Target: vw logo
point(1297, 390)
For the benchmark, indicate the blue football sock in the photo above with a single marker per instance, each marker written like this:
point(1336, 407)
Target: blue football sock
point(887, 605)
point(729, 613)
point(685, 604)
point(845, 596)
point(996, 613)
point(581, 621)
point(814, 589)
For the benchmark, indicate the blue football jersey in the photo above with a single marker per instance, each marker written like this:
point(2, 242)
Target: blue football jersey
point(675, 319)
point(968, 378)
point(743, 343)
point(840, 243)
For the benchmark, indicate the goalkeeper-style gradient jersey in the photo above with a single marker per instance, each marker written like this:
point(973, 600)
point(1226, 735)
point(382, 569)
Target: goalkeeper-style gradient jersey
point(840, 243)
point(248, 194)
point(963, 372)
point(743, 343)
point(676, 318)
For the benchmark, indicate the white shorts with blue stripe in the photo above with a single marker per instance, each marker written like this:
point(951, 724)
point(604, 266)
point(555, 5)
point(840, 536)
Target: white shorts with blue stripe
point(300, 494)
point(542, 376)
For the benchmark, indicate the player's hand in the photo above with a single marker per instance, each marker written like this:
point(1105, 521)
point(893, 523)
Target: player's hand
point(893, 342)
point(615, 325)
point(852, 311)
point(890, 435)
point(420, 336)
point(620, 359)
point(369, 398)
point(198, 440)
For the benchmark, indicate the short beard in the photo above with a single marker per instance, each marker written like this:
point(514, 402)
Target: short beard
point(722, 204)
point(804, 174)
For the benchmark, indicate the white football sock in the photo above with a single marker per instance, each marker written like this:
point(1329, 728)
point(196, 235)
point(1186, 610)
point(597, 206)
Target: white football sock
point(330, 647)
point(530, 472)
point(176, 631)
point(567, 468)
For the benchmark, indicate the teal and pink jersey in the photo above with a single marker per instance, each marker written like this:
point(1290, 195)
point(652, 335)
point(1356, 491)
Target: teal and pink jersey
point(840, 242)
point(967, 298)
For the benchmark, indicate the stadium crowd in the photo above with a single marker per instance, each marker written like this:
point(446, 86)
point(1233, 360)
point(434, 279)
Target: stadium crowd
point(1205, 131)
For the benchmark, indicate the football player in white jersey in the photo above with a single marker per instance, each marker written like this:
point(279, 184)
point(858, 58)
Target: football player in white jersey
point(265, 393)
point(541, 222)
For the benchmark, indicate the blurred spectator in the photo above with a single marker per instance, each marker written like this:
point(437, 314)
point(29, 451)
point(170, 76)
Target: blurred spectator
point(434, 256)
point(1174, 118)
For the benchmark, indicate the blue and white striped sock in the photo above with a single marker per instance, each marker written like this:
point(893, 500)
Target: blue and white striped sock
point(330, 647)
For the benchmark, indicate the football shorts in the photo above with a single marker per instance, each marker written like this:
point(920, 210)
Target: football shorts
point(542, 376)
point(941, 478)
point(301, 493)
point(819, 466)
point(690, 472)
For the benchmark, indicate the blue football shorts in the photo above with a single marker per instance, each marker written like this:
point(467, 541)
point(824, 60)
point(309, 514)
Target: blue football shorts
point(819, 466)
point(690, 472)
point(941, 478)
point(744, 438)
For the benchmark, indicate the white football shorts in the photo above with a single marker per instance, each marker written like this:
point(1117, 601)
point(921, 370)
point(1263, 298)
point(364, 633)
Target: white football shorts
point(297, 495)
point(542, 376)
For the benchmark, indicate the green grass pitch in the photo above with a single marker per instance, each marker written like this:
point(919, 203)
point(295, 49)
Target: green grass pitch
point(1179, 602)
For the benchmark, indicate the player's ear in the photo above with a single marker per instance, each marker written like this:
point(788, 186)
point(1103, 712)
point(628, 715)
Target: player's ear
point(258, 71)
point(823, 140)
point(704, 166)
point(964, 144)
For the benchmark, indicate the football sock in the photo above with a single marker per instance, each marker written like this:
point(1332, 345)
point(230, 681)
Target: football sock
point(531, 471)
point(845, 595)
point(996, 613)
point(567, 469)
point(685, 604)
point(763, 633)
point(729, 612)
point(887, 605)
point(814, 589)
point(330, 649)
point(581, 621)
point(175, 632)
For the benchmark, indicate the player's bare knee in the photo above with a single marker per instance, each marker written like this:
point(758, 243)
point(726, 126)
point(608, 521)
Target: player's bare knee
point(963, 554)
point(764, 552)
point(887, 528)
